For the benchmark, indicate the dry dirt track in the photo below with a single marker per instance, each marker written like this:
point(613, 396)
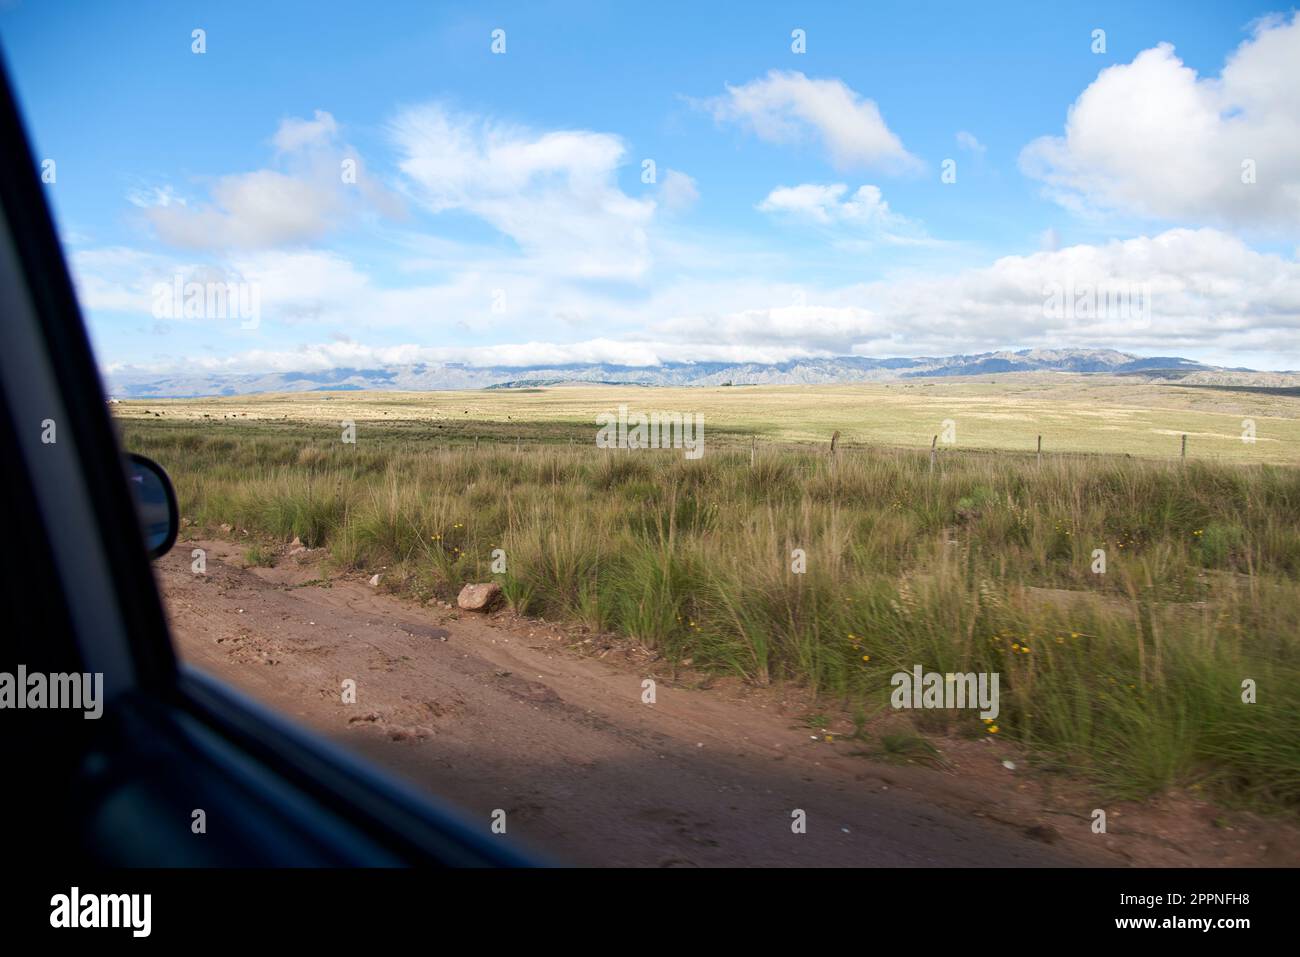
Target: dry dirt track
point(503, 713)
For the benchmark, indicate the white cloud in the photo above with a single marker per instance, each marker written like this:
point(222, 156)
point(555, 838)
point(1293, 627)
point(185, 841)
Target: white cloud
point(826, 203)
point(321, 287)
point(154, 196)
point(120, 279)
point(1152, 138)
point(798, 329)
point(968, 142)
point(679, 191)
point(788, 107)
point(346, 354)
point(270, 208)
point(249, 210)
point(1194, 292)
point(856, 222)
point(295, 134)
point(553, 193)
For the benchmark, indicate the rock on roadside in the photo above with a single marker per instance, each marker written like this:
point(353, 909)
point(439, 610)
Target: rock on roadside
point(478, 597)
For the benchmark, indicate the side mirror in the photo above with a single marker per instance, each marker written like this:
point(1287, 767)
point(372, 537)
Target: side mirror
point(155, 504)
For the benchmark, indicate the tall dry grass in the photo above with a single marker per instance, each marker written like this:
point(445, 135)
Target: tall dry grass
point(1133, 676)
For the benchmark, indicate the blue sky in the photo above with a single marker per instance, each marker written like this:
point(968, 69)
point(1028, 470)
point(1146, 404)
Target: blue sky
point(500, 214)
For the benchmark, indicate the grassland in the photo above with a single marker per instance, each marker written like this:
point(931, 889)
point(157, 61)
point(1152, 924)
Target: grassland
point(985, 563)
point(1104, 415)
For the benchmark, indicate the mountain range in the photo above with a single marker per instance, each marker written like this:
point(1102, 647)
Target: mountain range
point(423, 377)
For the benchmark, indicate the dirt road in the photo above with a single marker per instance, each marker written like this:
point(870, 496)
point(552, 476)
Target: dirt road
point(527, 717)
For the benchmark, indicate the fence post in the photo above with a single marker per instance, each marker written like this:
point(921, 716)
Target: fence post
point(1040, 450)
point(753, 450)
point(934, 445)
point(1184, 446)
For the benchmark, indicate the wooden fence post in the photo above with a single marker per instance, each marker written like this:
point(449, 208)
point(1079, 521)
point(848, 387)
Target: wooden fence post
point(753, 450)
point(934, 445)
point(1040, 450)
point(1184, 446)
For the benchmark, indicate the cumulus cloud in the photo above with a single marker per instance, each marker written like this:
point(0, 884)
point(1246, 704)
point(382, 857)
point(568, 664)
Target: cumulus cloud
point(826, 203)
point(295, 133)
point(1199, 292)
point(788, 107)
point(678, 190)
point(305, 289)
point(120, 279)
point(1153, 138)
point(857, 221)
point(300, 203)
point(249, 210)
point(554, 193)
point(799, 329)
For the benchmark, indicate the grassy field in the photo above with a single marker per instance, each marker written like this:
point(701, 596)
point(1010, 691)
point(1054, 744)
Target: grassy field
point(985, 563)
point(1111, 415)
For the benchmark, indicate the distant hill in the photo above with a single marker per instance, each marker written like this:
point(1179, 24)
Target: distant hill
point(425, 377)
